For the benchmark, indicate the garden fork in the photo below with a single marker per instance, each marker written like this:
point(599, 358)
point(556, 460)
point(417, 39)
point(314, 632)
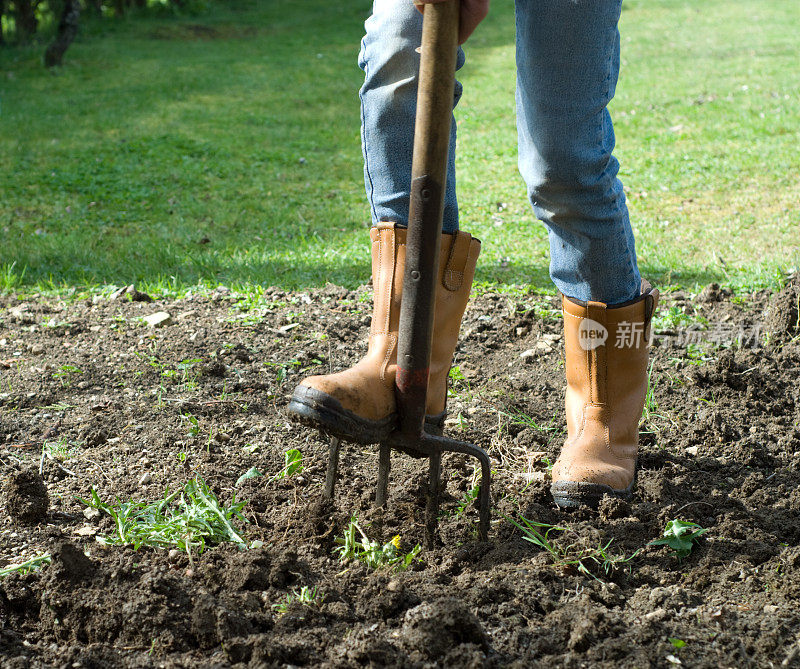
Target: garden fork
point(428, 179)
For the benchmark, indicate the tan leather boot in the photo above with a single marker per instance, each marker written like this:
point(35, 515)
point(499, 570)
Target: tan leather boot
point(606, 365)
point(358, 404)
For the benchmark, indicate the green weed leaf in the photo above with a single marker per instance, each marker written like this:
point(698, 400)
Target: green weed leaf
point(249, 474)
point(680, 536)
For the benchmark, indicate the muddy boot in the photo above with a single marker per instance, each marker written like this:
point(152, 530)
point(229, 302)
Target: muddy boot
point(606, 365)
point(358, 404)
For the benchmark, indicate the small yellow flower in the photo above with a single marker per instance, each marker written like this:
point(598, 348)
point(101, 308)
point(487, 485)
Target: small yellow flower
point(395, 541)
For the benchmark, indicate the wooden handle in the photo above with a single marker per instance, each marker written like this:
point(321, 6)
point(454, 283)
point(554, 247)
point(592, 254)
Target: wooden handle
point(436, 87)
point(428, 179)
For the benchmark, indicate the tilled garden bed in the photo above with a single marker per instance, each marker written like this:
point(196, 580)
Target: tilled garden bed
point(94, 397)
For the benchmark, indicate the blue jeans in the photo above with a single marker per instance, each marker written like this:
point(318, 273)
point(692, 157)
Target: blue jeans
point(567, 68)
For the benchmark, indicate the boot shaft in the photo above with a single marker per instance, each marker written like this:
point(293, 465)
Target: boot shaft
point(388, 262)
point(457, 260)
point(606, 361)
point(458, 257)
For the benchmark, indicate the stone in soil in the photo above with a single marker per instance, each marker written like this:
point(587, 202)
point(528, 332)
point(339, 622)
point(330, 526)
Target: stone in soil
point(158, 319)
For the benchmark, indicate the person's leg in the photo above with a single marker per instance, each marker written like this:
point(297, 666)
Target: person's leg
point(567, 67)
point(568, 62)
point(388, 109)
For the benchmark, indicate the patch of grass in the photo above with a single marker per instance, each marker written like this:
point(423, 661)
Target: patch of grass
point(192, 424)
point(468, 499)
point(34, 564)
point(190, 519)
point(282, 370)
point(522, 461)
point(294, 465)
point(139, 163)
point(55, 324)
point(672, 318)
point(356, 545)
point(187, 378)
point(66, 374)
point(58, 406)
point(58, 452)
point(251, 473)
point(61, 449)
point(196, 178)
point(305, 596)
point(571, 556)
point(652, 420)
point(456, 379)
point(10, 279)
point(517, 417)
point(183, 373)
point(650, 404)
point(698, 354)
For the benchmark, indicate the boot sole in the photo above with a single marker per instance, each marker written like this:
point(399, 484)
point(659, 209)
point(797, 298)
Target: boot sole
point(317, 409)
point(572, 494)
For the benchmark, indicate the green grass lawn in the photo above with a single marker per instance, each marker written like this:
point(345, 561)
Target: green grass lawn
point(224, 148)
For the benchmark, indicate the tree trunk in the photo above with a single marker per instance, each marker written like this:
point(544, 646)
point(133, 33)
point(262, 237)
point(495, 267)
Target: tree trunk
point(67, 29)
point(25, 19)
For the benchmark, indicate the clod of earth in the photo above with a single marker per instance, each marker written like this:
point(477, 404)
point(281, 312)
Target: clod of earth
point(70, 563)
point(434, 628)
point(26, 497)
point(783, 315)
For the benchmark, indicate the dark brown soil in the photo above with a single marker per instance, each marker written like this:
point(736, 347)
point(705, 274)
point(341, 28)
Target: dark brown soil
point(106, 397)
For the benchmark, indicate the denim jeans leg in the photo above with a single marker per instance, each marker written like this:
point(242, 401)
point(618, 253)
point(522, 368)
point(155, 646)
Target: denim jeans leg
point(388, 109)
point(567, 68)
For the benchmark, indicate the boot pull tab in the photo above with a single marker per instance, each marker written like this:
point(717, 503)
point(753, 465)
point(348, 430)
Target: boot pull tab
point(597, 356)
point(453, 276)
point(650, 302)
